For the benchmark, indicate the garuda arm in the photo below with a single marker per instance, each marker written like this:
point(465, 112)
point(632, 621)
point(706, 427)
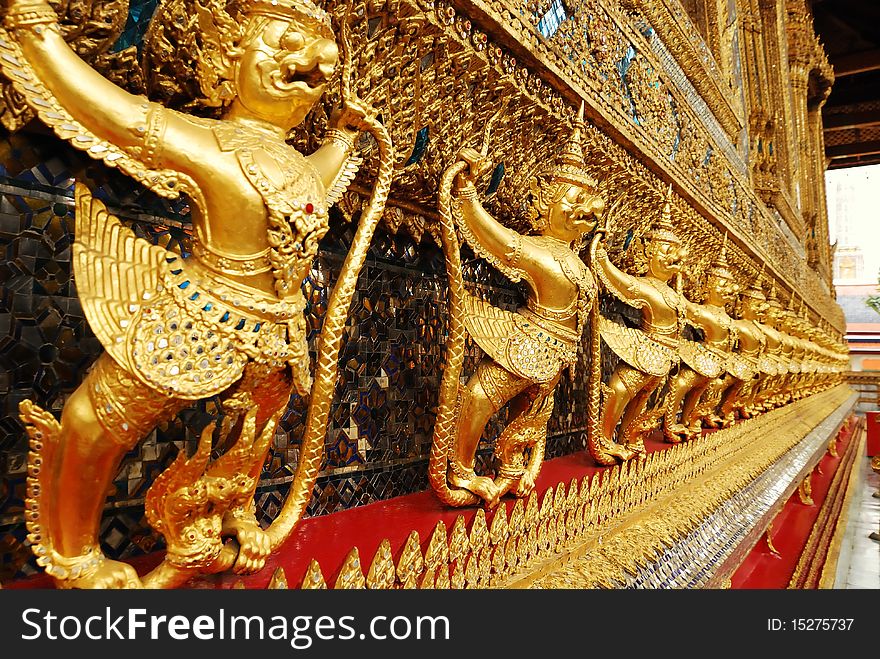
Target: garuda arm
point(150, 143)
point(626, 288)
point(489, 239)
point(85, 109)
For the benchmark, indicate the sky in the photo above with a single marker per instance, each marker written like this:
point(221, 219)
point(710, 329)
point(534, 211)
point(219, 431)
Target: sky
point(853, 196)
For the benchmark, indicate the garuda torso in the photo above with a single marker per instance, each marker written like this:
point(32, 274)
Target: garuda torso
point(187, 326)
point(709, 358)
point(535, 342)
point(651, 348)
point(751, 344)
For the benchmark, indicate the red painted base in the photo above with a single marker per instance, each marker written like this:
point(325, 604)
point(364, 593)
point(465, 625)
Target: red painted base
point(329, 538)
point(872, 444)
point(793, 525)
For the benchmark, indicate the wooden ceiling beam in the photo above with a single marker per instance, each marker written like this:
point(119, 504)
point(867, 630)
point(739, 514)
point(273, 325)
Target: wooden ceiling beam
point(855, 161)
point(853, 63)
point(853, 149)
point(846, 120)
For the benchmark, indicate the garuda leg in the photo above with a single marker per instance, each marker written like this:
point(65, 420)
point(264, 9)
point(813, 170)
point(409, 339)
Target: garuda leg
point(526, 428)
point(487, 390)
point(681, 397)
point(268, 391)
point(629, 392)
point(73, 464)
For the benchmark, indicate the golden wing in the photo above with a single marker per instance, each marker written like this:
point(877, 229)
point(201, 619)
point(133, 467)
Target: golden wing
point(513, 342)
point(636, 348)
point(700, 358)
point(164, 182)
point(116, 273)
point(127, 287)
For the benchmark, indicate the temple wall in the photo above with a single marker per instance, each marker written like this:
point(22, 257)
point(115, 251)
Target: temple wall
point(725, 112)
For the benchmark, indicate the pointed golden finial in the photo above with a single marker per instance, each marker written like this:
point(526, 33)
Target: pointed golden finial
point(531, 517)
point(380, 576)
point(351, 577)
point(546, 505)
point(239, 585)
point(411, 561)
point(314, 578)
point(479, 531)
point(438, 547)
point(458, 540)
point(457, 581)
point(278, 580)
point(441, 581)
point(517, 518)
point(498, 529)
point(471, 573)
point(756, 290)
point(427, 582)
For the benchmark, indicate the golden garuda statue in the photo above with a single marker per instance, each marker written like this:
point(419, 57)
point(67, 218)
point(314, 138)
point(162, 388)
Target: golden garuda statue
point(751, 343)
point(774, 365)
point(702, 363)
point(527, 350)
point(647, 353)
point(229, 320)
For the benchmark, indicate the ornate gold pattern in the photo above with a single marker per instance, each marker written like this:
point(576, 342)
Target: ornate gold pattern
point(229, 321)
point(594, 532)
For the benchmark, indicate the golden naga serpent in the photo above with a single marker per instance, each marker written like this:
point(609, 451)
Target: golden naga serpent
point(447, 414)
point(447, 417)
point(326, 368)
point(594, 385)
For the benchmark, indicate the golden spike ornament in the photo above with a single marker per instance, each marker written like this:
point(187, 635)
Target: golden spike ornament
point(525, 351)
point(226, 322)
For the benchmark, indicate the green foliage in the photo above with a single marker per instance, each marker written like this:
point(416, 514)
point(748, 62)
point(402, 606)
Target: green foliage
point(874, 300)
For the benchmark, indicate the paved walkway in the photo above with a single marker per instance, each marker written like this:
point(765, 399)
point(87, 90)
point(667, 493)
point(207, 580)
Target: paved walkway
point(858, 565)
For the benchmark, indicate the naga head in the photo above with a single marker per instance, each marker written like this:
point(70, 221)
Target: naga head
point(187, 502)
point(565, 203)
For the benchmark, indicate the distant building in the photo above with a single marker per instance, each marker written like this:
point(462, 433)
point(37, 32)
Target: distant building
point(862, 326)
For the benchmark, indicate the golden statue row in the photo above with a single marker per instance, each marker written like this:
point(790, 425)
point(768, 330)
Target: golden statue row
point(229, 321)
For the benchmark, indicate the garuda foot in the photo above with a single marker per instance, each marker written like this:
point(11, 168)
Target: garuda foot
point(483, 486)
point(524, 486)
point(97, 572)
point(675, 433)
point(609, 453)
point(253, 541)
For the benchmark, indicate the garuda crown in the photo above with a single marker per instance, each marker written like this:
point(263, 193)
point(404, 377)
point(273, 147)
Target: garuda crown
point(569, 166)
point(304, 11)
point(663, 230)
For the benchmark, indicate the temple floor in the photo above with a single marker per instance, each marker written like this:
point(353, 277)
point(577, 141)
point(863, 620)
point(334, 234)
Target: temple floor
point(859, 562)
